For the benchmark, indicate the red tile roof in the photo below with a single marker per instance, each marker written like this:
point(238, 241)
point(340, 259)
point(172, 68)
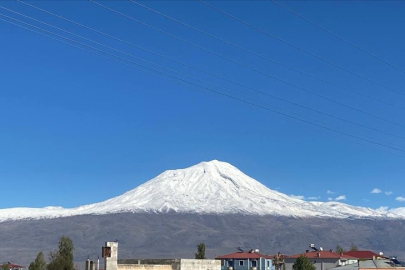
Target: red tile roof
point(244, 255)
point(363, 254)
point(12, 266)
point(322, 254)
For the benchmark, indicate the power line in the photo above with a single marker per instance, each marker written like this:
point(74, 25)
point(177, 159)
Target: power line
point(206, 72)
point(299, 48)
point(154, 71)
point(248, 67)
point(337, 36)
point(264, 57)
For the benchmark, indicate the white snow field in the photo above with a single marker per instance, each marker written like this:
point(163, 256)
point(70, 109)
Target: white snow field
point(212, 187)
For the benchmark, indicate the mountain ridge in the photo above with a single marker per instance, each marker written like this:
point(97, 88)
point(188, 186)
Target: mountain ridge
point(212, 187)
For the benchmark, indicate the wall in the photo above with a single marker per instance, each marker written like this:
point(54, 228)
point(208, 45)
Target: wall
point(193, 264)
point(144, 267)
point(168, 264)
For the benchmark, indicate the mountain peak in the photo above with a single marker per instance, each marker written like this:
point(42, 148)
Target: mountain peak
point(213, 165)
point(210, 187)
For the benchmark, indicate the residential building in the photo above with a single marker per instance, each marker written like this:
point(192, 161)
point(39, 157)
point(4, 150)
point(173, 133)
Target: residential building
point(380, 264)
point(323, 260)
point(13, 266)
point(246, 260)
point(365, 255)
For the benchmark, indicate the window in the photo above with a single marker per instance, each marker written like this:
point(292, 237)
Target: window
point(230, 263)
point(241, 263)
point(268, 263)
point(254, 263)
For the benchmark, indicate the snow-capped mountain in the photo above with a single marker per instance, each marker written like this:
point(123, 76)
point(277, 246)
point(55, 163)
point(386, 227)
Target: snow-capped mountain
point(213, 187)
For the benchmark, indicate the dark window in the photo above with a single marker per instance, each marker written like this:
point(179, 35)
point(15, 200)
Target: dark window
point(241, 263)
point(254, 263)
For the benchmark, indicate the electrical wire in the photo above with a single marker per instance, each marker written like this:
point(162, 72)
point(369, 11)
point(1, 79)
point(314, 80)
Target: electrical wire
point(248, 67)
point(336, 36)
point(299, 48)
point(154, 71)
point(265, 57)
point(225, 79)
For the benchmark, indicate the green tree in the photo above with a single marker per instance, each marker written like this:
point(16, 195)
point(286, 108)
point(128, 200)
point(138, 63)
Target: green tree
point(63, 259)
point(278, 262)
point(354, 248)
point(303, 263)
point(39, 263)
point(340, 250)
point(5, 266)
point(200, 251)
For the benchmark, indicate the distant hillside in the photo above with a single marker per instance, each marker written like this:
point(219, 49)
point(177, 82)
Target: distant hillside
point(176, 235)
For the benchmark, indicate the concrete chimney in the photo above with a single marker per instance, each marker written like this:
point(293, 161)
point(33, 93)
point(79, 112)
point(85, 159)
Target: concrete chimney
point(92, 265)
point(111, 255)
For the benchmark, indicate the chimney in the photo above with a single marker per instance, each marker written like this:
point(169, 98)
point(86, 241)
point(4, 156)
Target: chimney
point(319, 254)
point(306, 251)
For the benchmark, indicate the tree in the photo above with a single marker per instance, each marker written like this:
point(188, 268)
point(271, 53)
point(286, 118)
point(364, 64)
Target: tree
point(200, 251)
point(39, 263)
point(278, 262)
point(340, 250)
point(354, 248)
point(6, 266)
point(303, 263)
point(63, 259)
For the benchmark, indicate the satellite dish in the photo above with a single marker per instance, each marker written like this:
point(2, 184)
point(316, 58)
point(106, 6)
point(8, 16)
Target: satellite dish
point(321, 248)
point(381, 253)
point(257, 250)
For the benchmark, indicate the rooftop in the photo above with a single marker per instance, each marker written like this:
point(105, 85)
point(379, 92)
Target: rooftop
point(324, 255)
point(244, 255)
point(12, 266)
point(364, 254)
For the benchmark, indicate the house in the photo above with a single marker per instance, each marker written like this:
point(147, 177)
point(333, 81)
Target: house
point(323, 260)
point(365, 255)
point(13, 266)
point(380, 264)
point(246, 260)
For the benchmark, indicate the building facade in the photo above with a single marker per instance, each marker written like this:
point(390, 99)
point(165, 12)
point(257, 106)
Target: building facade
point(250, 260)
point(323, 260)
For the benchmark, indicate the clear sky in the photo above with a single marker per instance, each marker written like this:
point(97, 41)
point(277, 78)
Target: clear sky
point(78, 128)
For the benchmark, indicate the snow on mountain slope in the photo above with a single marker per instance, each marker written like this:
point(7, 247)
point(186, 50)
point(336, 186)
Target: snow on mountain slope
point(206, 188)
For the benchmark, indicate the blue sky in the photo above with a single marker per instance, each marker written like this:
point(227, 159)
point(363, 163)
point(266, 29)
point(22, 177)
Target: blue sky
point(77, 128)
